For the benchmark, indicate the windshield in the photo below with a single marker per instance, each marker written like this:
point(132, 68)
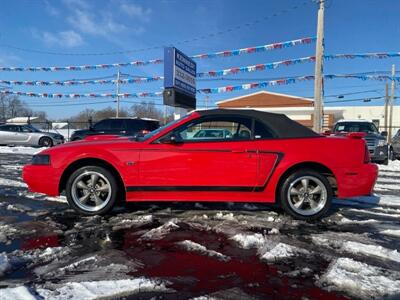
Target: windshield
point(355, 127)
point(157, 131)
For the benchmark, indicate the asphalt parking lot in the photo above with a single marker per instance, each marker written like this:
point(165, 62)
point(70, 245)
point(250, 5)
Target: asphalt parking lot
point(197, 250)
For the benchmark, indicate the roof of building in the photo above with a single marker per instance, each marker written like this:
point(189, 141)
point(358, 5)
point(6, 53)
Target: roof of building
point(266, 99)
point(281, 125)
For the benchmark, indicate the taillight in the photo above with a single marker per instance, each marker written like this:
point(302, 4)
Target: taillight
point(367, 158)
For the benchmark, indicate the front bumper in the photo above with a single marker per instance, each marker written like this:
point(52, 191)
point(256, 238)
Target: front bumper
point(58, 141)
point(41, 179)
point(356, 182)
point(379, 153)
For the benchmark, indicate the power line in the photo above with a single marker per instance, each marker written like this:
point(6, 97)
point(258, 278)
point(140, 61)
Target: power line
point(203, 37)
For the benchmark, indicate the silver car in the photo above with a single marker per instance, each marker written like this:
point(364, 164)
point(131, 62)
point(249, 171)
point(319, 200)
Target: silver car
point(27, 135)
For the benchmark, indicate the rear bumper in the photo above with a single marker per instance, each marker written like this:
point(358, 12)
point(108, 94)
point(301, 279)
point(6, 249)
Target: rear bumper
point(353, 182)
point(41, 179)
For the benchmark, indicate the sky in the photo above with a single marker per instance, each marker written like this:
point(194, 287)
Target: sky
point(84, 32)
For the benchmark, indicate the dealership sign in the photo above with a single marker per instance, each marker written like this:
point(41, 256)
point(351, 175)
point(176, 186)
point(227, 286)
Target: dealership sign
point(179, 79)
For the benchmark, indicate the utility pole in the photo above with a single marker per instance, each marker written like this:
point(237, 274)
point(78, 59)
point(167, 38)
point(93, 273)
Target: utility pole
point(118, 88)
point(386, 105)
point(391, 104)
point(318, 83)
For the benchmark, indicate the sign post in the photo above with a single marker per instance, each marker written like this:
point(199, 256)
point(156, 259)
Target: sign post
point(179, 81)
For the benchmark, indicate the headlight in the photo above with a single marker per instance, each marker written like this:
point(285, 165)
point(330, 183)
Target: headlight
point(382, 143)
point(41, 159)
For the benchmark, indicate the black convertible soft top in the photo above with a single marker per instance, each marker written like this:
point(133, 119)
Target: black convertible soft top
point(278, 123)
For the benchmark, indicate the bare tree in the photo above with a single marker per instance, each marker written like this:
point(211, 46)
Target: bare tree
point(146, 110)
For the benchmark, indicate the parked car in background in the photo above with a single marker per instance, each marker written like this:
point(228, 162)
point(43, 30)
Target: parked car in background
point(396, 146)
point(376, 142)
point(212, 134)
point(118, 126)
point(268, 158)
point(27, 135)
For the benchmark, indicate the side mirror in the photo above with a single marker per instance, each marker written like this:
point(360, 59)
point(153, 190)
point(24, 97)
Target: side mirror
point(384, 133)
point(171, 139)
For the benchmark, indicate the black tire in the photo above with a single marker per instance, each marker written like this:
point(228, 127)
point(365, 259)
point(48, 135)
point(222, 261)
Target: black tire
point(45, 142)
point(105, 176)
point(292, 179)
point(391, 155)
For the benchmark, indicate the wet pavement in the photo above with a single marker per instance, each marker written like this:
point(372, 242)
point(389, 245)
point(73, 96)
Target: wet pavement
point(203, 250)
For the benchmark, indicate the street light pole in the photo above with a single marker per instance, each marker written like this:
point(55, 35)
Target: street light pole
point(391, 104)
point(318, 84)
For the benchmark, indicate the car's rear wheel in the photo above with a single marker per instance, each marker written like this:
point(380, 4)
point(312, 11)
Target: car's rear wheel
point(92, 190)
point(306, 195)
point(45, 142)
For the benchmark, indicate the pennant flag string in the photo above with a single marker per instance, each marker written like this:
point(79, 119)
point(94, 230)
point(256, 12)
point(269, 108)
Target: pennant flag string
point(226, 53)
point(217, 90)
point(213, 73)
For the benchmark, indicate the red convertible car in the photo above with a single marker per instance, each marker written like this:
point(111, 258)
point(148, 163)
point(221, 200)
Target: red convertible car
point(263, 157)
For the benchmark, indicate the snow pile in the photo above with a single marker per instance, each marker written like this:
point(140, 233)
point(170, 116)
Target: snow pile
point(88, 290)
point(4, 263)
point(248, 241)
point(281, 251)
point(10, 182)
point(361, 280)
point(371, 250)
point(391, 232)
point(195, 247)
point(20, 150)
point(393, 166)
point(161, 231)
point(6, 231)
point(17, 293)
point(228, 216)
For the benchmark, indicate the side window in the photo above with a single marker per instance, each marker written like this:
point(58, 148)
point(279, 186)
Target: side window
point(102, 125)
point(117, 124)
point(5, 128)
point(262, 132)
point(25, 129)
point(217, 129)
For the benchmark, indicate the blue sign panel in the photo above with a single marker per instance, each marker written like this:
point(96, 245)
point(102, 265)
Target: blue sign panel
point(179, 71)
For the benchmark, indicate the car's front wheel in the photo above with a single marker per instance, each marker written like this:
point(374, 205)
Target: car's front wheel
point(306, 195)
point(45, 142)
point(92, 190)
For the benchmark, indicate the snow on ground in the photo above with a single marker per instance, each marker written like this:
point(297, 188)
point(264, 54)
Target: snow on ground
point(10, 182)
point(159, 232)
point(392, 232)
point(282, 251)
point(17, 293)
point(371, 250)
point(4, 263)
point(195, 247)
point(361, 280)
point(47, 247)
point(248, 241)
point(20, 150)
point(88, 290)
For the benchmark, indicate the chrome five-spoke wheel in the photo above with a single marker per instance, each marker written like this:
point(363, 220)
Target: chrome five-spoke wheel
point(306, 194)
point(92, 190)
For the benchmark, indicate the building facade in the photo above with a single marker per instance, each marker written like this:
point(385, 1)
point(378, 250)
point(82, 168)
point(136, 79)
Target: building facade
point(301, 109)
